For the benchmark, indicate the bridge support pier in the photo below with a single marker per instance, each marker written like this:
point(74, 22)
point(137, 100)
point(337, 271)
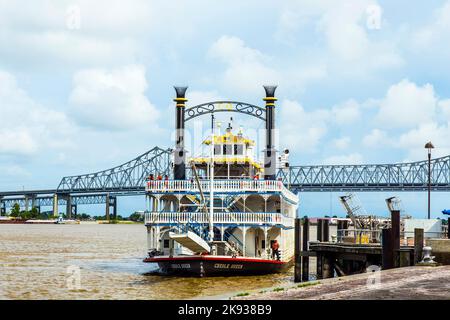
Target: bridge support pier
point(73, 210)
point(68, 207)
point(2, 207)
point(55, 205)
point(111, 203)
point(107, 207)
point(27, 203)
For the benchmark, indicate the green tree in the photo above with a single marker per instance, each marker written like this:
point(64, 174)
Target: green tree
point(137, 217)
point(34, 213)
point(15, 210)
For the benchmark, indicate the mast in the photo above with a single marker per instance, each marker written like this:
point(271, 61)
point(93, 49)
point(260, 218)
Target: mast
point(211, 177)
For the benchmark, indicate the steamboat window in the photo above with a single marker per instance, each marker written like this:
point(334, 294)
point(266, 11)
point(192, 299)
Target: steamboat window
point(217, 149)
point(166, 243)
point(238, 149)
point(227, 149)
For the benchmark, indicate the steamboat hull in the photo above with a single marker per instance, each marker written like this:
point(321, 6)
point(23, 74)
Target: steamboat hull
point(201, 266)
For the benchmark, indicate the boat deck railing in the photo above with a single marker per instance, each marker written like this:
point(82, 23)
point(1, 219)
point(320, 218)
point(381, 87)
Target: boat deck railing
point(225, 186)
point(261, 218)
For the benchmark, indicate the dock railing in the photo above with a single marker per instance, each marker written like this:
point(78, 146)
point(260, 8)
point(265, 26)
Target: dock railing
point(359, 236)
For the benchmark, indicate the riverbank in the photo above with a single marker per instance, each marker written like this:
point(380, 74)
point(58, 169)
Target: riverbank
point(408, 283)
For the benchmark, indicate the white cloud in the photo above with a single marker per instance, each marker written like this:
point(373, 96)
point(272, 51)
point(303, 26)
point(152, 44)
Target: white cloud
point(375, 138)
point(444, 106)
point(300, 130)
point(345, 35)
point(345, 27)
point(112, 99)
point(353, 158)
point(407, 105)
point(342, 143)
point(346, 113)
point(436, 34)
point(26, 126)
point(199, 97)
point(14, 170)
point(247, 68)
point(414, 140)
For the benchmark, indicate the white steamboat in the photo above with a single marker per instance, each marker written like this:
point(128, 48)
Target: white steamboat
point(229, 217)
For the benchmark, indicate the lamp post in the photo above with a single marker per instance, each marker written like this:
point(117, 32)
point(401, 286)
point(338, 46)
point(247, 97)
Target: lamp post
point(429, 146)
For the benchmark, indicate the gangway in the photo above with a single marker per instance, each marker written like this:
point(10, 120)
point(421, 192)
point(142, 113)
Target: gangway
point(191, 241)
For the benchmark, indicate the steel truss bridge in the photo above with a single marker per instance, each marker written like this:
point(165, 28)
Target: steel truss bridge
point(105, 186)
point(129, 179)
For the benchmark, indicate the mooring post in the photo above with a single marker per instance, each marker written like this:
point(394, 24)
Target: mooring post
point(297, 250)
point(387, 249)
point(339, 227)
point(448, 228)
point(319, 265)
point(418, 244)
point(305, 258)
point(395, 229)
point(326, 230)
point(319, 230)
point(327, 266)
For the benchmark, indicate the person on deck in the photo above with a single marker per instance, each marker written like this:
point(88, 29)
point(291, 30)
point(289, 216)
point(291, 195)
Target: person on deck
point(275, 250)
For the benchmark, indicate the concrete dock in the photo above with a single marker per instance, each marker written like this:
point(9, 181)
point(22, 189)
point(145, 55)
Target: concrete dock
point(409, 283)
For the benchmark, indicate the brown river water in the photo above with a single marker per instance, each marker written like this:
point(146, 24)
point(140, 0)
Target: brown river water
point(93, 261)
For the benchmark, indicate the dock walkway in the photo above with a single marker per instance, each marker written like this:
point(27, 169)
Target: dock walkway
point(407, 283)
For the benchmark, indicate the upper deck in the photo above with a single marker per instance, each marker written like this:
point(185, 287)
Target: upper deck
point(231, 186)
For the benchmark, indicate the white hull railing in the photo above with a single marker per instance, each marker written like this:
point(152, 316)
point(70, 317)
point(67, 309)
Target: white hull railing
point(219, 186)
point(272, 218)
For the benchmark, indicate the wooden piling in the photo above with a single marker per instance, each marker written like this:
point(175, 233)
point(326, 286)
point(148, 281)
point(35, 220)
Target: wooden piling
point(320, 230)
point(326, 230)
point(418, 244)
point(305, 258)
point(448, 228)
point(297, 250)
point(395, 237)
point(327, 267)
point(319, 266)
point(387, 249)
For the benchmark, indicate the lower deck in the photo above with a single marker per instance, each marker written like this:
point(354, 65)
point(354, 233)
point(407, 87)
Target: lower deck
point(244, 241)
point(214, 265)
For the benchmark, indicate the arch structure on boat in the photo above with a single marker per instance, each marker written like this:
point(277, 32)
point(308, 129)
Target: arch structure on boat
point(225, 106)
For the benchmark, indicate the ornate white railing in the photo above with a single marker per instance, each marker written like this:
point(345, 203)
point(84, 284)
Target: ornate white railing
point(235, 185)
point(270, 218)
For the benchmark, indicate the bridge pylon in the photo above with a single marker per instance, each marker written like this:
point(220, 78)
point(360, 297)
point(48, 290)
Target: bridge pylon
point(111, 203)
point(55, 205)
point(2, 207)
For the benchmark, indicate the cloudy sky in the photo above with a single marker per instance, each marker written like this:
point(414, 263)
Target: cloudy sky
point(88, 85)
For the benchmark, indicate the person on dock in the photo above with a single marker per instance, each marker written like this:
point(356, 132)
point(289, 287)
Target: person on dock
point(275, 250)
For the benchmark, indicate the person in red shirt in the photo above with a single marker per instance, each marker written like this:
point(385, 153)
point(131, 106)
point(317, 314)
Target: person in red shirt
point(275, 250)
